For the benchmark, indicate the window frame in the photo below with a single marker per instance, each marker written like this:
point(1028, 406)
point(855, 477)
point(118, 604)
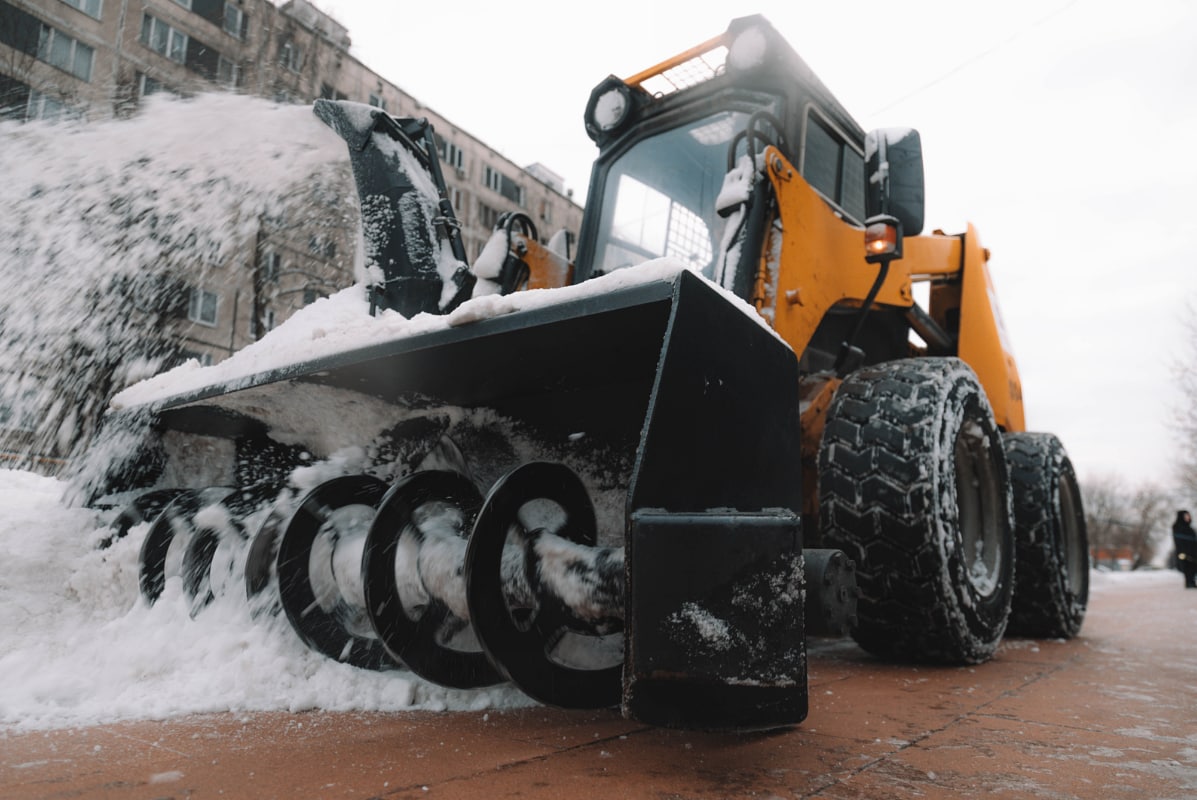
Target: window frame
point(454, 155)
point(48, 41)
point(492, 178)
point(225, 64)
point(270, 265)
point(813, 115)
point(36, 107)
point(238, 31)
point(196, 298)
point(81, 6)
point(290, 55)
point(144, 81)
point(175, 38)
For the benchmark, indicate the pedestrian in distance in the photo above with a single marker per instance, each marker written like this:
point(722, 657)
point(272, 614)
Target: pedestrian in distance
point(1185, 540)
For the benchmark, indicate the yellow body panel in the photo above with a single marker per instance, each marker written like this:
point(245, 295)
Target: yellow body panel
point(546, 269)
point(820, 263)
point(983, 341)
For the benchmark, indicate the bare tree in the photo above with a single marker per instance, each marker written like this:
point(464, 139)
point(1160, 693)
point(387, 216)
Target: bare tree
point(16, 60)
point(1185, 415)
point(1126, 522)
point(1103, 508)
point(1147, 521)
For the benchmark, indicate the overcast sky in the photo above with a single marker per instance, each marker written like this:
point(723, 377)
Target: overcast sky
point(1065, 130)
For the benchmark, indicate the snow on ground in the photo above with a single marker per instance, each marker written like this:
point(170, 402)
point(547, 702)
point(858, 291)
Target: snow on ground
point(79, 647)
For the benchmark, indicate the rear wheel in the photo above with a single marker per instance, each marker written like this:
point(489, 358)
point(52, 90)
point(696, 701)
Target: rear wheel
point(1051, 541)
point(913, 487)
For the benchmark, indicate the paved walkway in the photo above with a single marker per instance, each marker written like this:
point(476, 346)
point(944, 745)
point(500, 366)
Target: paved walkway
point(1112, 714)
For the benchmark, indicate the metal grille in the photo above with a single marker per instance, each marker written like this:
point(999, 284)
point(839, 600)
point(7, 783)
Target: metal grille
point(699, 69)
point(689, 238)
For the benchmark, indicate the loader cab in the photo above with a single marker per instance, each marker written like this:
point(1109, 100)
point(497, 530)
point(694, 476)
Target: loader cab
point(668, 136)
point(658, 197)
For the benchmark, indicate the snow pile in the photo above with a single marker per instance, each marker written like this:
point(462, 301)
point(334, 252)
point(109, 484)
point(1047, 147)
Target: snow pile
point(78, 646)
point(107, 224)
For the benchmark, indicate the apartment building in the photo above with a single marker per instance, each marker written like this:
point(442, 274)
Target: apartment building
point(97, 59)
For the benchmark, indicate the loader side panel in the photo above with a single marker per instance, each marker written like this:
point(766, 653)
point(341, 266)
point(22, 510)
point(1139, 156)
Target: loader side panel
point(984, 343)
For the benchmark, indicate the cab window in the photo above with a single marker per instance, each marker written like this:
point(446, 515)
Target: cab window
point(833, 167)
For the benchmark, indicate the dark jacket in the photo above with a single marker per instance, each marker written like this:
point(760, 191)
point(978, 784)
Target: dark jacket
point(1184, 537)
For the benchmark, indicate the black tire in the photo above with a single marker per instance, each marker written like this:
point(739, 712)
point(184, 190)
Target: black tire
point(913, 487)
point(1051, 540)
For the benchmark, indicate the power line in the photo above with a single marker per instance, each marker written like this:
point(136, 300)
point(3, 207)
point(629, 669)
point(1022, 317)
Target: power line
point(977, 57)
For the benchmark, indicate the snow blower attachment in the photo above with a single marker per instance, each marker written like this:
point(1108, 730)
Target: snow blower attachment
point(728, 427)
point(684, 604)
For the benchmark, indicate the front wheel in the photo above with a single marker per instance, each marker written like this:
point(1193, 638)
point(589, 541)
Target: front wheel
point(1052, 544)
point(913, 486)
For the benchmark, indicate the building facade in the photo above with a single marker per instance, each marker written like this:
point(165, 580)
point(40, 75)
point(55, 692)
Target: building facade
point(98, 59)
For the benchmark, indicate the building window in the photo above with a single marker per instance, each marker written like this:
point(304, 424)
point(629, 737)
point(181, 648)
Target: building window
point(311, 295)
point(89, 7)
point(147, 86)
point(321, 246)
point(271, 265)
point(163, 39)
point(202, 306)
point(505, 186)
point(329, 93)
point(290, 56)
point(487, 216)
point(59, 50)
point(492, 178)
point(214, 254)
point(378, 102)
point(451, 154)
point(227, 72)
point(258, 329)
point(44, 107)
point(234, 20)
point(14, 98)
point(184, 3)
point(456, 196)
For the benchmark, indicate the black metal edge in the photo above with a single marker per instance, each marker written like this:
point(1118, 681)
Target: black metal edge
point(628, 297)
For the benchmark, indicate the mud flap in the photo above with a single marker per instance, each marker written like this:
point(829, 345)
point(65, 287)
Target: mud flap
point(715, 630)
